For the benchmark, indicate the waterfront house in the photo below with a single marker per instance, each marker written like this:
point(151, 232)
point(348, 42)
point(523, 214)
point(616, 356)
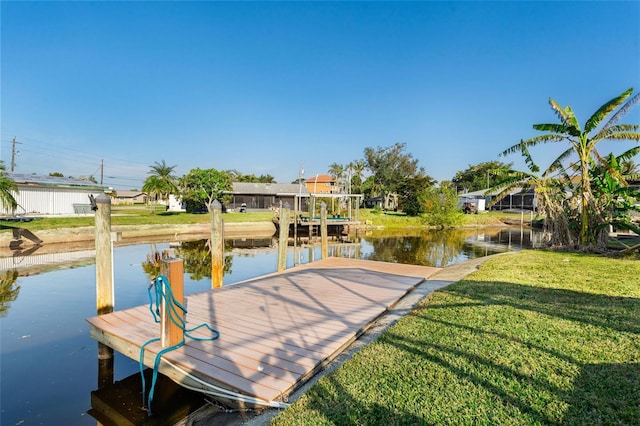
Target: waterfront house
point(264, 196)
point(321, 184)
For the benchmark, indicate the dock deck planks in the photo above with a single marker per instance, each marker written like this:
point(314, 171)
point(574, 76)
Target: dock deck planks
point(276, 331)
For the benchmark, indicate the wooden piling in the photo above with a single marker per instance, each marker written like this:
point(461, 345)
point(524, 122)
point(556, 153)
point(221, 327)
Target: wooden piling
point(217, 245)
point(104, 255)
point(296, 210)
point(283, 241)
point(324, 237)
point(171, 333)
point(104, 264)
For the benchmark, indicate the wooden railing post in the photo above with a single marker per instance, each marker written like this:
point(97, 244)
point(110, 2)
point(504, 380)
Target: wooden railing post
point(217, 245)
point(104, 264)
point(283, 241)
point(171, 333)
point(324, 238)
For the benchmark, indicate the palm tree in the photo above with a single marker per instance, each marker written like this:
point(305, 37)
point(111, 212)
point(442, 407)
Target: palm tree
point(583, 144)
point(7, 185)
point(337, 172)
point(161, 182)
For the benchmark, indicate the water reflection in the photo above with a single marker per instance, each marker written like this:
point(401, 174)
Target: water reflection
point(197, 259)
point(427, 249)
point(446, 247)
point(49, 364)
point(9, 290)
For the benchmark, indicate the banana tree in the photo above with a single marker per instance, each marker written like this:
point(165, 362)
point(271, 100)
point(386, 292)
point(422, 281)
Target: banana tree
point(551, 188)
point(583, 143)
point(616, 199)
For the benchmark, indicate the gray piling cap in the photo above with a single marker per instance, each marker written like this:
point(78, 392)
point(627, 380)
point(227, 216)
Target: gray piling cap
point(103, 199)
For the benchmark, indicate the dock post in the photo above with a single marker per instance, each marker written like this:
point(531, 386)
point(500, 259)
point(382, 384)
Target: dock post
point(284, 237)
point(171, 333)
point(217, 245)
point(104, 264)
point(312, 217)
point(323, 230)
point(296, 209)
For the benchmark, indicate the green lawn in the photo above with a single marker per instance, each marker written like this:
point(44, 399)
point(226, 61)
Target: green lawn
point(531, 338)
point(400, 220)
point(141, 215)
point(135, 216)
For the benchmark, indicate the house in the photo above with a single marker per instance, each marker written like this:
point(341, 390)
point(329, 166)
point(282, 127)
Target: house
point(124, 196)
point(388, 202)
point(517, 199)
point(48, 195)
point(322, 184)
point(264, 196)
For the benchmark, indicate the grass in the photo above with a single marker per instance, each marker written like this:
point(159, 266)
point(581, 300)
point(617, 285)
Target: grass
point(531, 338)
point(400, 220)
point(133, 215)
point(142, 215)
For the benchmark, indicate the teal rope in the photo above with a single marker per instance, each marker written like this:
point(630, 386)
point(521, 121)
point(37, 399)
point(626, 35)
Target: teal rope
point(164, 293)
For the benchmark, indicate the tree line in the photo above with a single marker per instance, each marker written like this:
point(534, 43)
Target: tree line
point(580, 194)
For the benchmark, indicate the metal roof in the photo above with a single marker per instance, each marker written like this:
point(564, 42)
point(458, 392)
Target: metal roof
point(42, 180)
point(267, 188)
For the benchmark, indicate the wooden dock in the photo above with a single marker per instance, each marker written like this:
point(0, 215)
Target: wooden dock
point(276, 331)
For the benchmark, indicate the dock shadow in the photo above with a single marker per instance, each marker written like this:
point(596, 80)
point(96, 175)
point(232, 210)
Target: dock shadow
point(120, 403)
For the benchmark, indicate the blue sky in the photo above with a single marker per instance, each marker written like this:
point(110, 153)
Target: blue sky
point(263, 87)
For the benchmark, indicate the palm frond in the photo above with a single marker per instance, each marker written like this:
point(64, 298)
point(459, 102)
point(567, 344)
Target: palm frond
point(605, 110)
point(601, 159)
point(623, 128)
point(624, 110)
point(609, 164)
point(550, 137)
point(632, 177)
point(624, 136)
point(551, 127)
point(557, 164)
point(566, 116)
point(629, 154)
point(528, 160)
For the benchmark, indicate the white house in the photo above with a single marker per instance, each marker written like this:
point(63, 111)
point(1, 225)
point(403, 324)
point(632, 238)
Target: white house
point(48, 195)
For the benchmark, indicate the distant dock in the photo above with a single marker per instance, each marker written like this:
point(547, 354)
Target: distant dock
point(276, 331)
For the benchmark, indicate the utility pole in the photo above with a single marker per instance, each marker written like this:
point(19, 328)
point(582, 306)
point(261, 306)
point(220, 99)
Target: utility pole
point(13, 154)
point(101, 170)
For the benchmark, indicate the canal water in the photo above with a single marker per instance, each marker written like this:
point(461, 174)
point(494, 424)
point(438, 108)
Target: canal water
point(48, 362)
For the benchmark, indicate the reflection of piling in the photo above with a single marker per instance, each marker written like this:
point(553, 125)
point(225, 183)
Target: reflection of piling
point(172, 333)
point(285, 213)
point(105, 371)
point(104, 264)
point(324, 237)
point(217, 245)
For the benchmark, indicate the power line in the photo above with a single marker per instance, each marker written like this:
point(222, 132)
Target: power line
point(78, 160)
